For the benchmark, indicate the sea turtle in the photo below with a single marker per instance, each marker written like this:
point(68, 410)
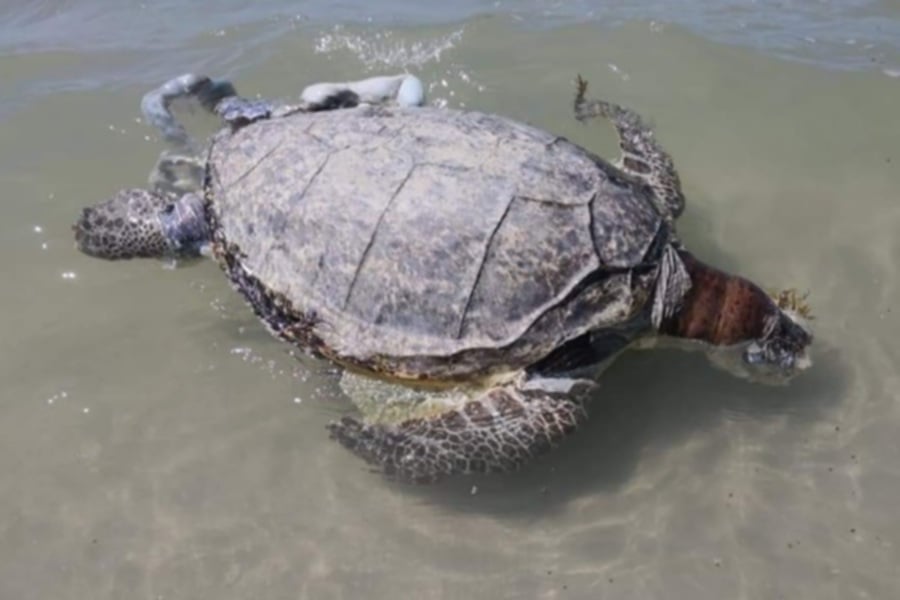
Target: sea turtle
point(472, 271)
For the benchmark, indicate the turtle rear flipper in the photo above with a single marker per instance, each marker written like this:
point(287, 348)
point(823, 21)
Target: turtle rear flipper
point(500, 430)
point(642, 157)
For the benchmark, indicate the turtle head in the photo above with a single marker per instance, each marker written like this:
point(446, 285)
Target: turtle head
point(137, 223)
point(753, 338)
point(746, 331)
point(781, 351)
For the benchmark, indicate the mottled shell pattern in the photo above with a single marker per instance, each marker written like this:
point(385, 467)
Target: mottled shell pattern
point(429, 243)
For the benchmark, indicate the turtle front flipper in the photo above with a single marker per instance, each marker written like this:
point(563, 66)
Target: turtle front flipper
point(402, 90)
point(642, 157)
point(180, 169)
point(155, 104)
point(177, 173)
point(499, 430)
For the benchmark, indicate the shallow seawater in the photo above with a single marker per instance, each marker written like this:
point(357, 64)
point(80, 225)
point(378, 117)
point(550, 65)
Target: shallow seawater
point(156, 442)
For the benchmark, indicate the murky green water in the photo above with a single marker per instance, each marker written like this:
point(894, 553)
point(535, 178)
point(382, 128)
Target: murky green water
point(155, 442)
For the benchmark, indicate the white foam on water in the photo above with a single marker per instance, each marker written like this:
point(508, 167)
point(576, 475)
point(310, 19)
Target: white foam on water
point(381, 49)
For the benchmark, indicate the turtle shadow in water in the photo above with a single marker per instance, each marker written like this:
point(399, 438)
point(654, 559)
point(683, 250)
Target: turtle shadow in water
point(647, 401)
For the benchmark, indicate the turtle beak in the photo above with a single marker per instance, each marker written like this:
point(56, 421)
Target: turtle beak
point(782, 352)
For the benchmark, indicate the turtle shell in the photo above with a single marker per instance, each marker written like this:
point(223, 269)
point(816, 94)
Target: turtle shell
point(429, 243)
